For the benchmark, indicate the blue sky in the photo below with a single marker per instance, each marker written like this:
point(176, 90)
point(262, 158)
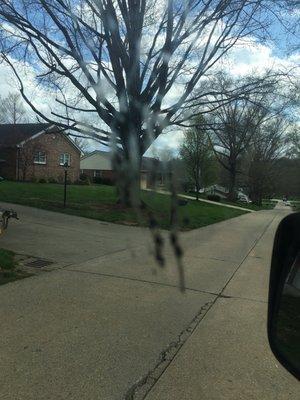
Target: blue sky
point(244, 59)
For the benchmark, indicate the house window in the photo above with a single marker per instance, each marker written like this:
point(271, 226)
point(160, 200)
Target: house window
point(64, 158)
point(97, 173)
point(160, 179)
point(39, 157)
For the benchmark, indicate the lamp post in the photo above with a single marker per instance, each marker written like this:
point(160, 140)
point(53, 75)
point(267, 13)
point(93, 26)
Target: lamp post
point(66, 165)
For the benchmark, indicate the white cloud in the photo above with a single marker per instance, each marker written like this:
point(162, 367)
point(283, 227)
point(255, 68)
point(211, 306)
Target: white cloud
point(245, 58)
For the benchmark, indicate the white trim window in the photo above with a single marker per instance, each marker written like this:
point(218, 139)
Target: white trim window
point(97, 173)
point(65, 158)
point(39, 157)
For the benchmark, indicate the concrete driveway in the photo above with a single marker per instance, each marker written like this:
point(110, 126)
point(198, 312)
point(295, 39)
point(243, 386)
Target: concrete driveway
point(109, 324)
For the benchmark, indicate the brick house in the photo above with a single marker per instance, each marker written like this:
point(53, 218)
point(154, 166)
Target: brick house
point(37, 151)
point(98, 165)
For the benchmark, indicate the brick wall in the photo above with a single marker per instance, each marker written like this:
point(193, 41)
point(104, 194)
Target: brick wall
point(105, 174)
point(53, 144)
point(8, 157)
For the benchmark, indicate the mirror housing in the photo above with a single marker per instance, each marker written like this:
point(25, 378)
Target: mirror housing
point(284, 295)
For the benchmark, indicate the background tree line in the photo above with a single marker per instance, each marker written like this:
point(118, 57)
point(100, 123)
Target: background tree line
point(251, 142)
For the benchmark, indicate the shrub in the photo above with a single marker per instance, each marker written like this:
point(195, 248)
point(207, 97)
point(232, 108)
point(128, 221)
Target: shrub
point(213, 197)
point(182, 202)
point(42, 180)
point(79, 182)
point(52, 180)
point(103, 181)
point(186, 187)
point(83, 177)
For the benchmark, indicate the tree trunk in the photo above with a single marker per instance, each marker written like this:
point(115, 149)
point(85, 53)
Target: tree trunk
point(258, 199)
point(24, 174)
point(232, 182)
point(197, 191)
point(127, 166)
point(197, 182)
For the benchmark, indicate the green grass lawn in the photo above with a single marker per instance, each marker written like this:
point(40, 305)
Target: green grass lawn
point(266, 205)
point(8, 268)
point(100, 202)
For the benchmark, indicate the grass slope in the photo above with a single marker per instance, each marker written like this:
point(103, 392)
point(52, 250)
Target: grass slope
point(99, 202)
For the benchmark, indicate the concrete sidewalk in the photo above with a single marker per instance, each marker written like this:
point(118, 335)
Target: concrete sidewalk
point(228, 356)
point(67, 239)
point(115, 326)
point(185, 196)
point(216, 203)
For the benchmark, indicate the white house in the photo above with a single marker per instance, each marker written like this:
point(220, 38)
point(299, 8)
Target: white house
point(97, 165)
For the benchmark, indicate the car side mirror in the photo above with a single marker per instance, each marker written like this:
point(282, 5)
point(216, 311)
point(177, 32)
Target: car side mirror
point(284, 295)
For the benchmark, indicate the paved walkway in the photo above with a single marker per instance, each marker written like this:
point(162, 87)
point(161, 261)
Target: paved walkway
point(112, 325)
point(217, 203)
point(185, 196)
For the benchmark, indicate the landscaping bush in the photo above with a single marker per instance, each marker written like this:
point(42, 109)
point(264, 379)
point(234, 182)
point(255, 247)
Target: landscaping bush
point(83, 180)
point(83, 177)
point(97, 180)
point(103, 181)
point(42, 180)
point(52, 180)
point(186, 187)
point(182, 202)
point(80, 182)
point(213, 197)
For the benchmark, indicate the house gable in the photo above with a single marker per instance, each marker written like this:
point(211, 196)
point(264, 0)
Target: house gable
point(49, 149)
point(35, 151)
point(98, 160)
point(52, 130)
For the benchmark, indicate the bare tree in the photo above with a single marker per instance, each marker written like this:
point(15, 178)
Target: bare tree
point(163, 153)
point(233, 125)
point(82, 143)
point(25, 159)
point(197, 154)
point(231, 133)
point(264, 152)
point(12, 110)
point(122, 61)
point(293, 142)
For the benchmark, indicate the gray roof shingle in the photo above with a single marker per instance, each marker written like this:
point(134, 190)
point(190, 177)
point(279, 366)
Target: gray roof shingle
point(13, 134)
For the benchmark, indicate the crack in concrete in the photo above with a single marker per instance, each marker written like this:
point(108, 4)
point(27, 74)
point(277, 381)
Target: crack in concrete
point(142, 387)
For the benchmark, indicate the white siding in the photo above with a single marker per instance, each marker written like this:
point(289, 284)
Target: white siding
point(96, 161)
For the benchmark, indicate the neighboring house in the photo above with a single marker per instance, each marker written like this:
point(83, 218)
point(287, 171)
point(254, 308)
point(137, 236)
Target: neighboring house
point(153, 173)
point(241, 196)
point(98, 164)
point(217, 189)
point(37, 151)
point(223, 193)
